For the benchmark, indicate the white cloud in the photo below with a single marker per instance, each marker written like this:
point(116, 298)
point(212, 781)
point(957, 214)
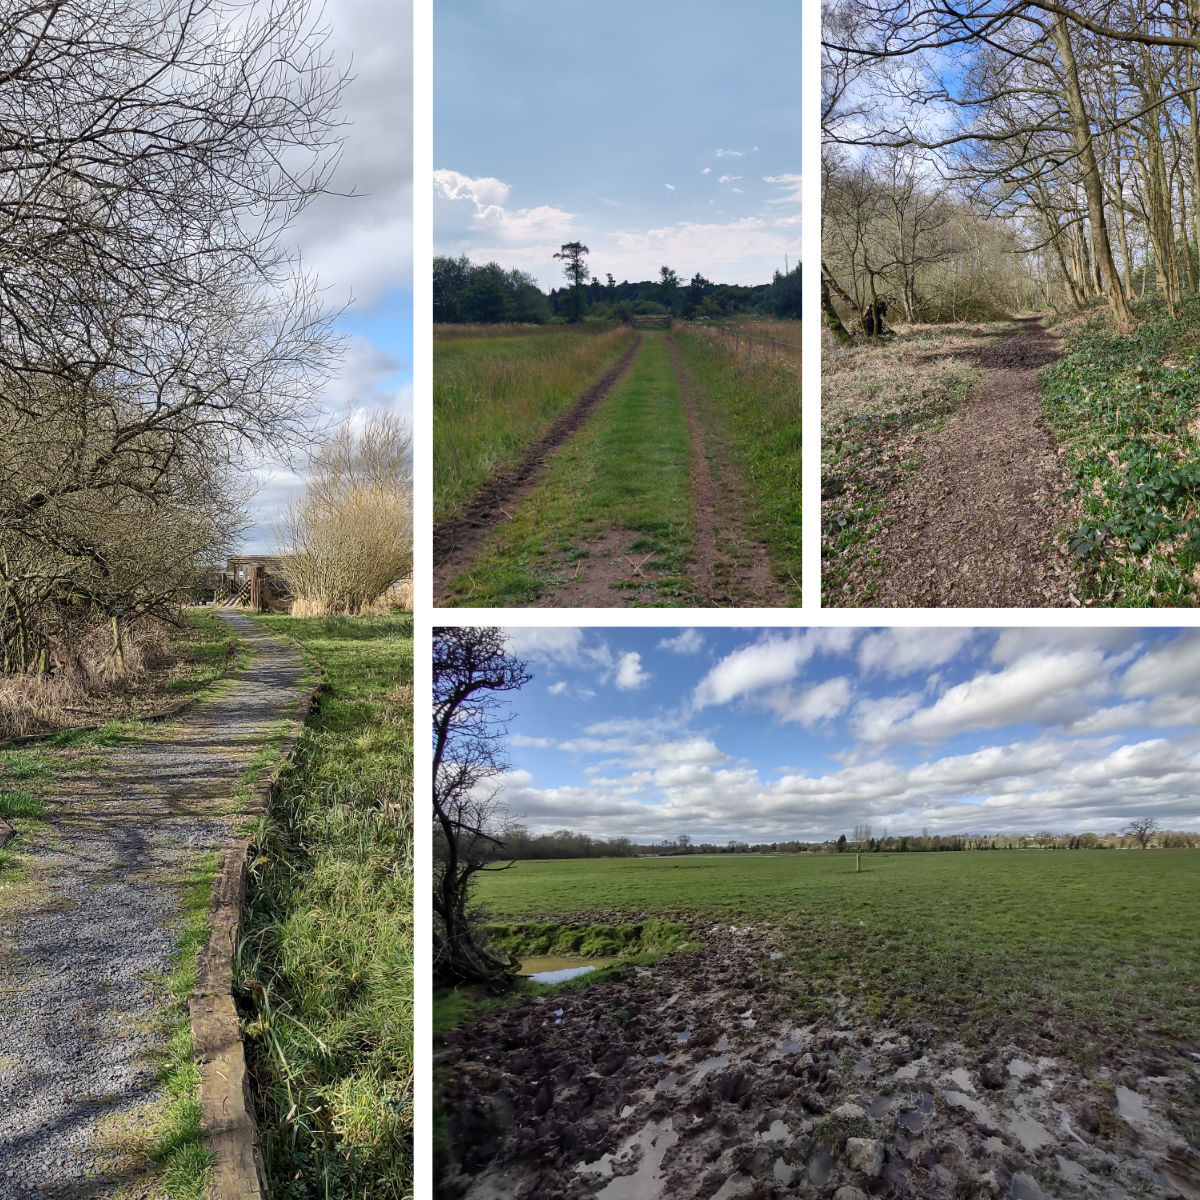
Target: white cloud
point(521, 739)
point(545, 645)
point(728, 178)
point(630, 674)
point(688, 641)
point(670, 187)
point(896, 652)
point(478, 206)
point(557, 689)
point(1174, 667)
point(732, 153)
point(706, 171)
point(812, 706)
point(793, 188)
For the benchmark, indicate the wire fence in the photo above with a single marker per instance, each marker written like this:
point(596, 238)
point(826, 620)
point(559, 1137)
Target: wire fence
point(750, 344)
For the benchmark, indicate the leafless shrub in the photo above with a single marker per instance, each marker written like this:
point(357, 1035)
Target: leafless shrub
point(348, 539)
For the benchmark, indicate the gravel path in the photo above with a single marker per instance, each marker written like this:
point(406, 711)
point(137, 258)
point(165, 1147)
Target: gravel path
point(94, 922)
point(975, 528)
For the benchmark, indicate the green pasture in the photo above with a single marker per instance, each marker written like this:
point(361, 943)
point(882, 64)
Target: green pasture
point(1096, 945)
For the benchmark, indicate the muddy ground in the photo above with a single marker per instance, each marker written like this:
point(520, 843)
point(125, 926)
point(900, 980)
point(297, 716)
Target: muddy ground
point(688, 1078)
point(975, 526)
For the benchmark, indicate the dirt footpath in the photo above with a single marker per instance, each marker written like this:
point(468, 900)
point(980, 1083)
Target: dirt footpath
point(93, 921)
point(689, 1080)
point(974, 527)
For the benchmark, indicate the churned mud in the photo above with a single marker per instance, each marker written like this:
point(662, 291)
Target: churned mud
point(689, 1078)
point(457, 541)
point(975, 525)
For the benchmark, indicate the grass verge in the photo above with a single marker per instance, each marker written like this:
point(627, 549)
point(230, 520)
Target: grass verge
point(879, 403)
point(626, 471)
point(1126, 411)
point(494, 396)
point(325, 971)
point(750, 407)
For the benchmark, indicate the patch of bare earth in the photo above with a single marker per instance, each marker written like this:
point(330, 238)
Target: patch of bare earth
point(730, 567)
point(610, 573)
point(974, 527)
point(691, 1079)
point(458, 540)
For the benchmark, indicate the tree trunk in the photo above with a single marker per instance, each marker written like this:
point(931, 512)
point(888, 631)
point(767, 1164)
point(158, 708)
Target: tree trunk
point(1092, 183)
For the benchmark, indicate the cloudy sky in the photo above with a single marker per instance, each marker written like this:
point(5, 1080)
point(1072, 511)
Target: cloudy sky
point(360, 245)
point(777, 734)
point(664, 133)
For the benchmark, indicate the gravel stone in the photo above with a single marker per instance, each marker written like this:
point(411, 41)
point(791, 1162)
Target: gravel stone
point(94, 921)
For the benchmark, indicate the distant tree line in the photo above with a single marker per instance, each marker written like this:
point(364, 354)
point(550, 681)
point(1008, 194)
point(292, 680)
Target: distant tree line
point(467, 293)
point(520, 844)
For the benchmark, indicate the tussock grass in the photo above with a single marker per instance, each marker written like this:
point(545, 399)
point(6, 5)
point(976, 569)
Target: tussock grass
point(1103, 945)
point(527, 939)
point(628, 469)
point(751, 404)
point(1126, 410)
point(498, 389)
point(325, 969)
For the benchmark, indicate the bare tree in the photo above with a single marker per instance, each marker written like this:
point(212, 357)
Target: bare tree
point(1142, 828)
point(471, 670)
point(155, 325)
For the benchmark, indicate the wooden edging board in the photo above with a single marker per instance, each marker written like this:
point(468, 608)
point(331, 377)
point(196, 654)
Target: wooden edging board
point(226, 1111)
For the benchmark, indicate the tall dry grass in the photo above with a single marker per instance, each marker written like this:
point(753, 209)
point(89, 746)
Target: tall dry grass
point(494, 396)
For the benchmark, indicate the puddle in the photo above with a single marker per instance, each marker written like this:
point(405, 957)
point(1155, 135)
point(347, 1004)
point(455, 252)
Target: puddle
point(778, 1132)
point(722, 1044)
point(1131, 1107)
point(784, 1172)
point(962, 1077)
point(776, 954)
point(667, 1082)
point(1019, 1069)
point(733, 1186)
point(913, 1121)
point(683, 1035)
point(977, 1110)
point(790, 1046)
point(1032, 1135)
point(558, 970)
point(709, 1065)
point(648, 1147)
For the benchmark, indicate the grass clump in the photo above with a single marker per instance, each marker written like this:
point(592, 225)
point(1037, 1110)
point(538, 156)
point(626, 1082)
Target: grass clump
point(496, 392)
point(750, 404)
point(628, 471)
point(529, 939)
point(325, 971)
point(1126, 411)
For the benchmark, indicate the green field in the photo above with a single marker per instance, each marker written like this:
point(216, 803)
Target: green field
point(1103, 945)
point(326, 973)
point(497, 390)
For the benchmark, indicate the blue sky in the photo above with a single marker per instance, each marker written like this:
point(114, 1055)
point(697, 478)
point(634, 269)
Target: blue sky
point(766, 735)
point(663, 133)
point(359, 245)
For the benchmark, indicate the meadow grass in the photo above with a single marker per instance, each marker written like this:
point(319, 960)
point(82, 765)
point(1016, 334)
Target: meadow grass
point(628, 469)
point(879, 401)
point(325, 968)
point(1126, 410)
point(750, 403)
point(497, 390)
point(1097, 944)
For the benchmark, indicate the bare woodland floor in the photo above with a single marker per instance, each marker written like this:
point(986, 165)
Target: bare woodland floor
point(972, 524)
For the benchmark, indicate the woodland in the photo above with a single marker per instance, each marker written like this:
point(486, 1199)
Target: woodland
point(994, 157)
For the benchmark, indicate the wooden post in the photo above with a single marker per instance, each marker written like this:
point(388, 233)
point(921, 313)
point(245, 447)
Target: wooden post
point(858, 863)
point(255, 588)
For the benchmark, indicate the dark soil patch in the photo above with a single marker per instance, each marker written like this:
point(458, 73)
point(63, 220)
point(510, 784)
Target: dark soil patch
point(730, 567)
point(610, 574)
point(456, 541)
point(691, 1078)
point(975, 525)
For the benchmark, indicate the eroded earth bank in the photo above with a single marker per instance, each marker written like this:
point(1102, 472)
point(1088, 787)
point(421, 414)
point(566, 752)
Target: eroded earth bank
point(691, 1077)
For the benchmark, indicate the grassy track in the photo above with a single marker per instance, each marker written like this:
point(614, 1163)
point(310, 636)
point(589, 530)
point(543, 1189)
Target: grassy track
point(493, 397)
point(326, 967)
point(1124, 408)
point(752, 406)
point(1104, 945)
point(627, 470)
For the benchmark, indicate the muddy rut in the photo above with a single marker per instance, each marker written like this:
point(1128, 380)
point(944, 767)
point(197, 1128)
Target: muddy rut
point(730, 567)
point(975, 526)
point(456, 542)
point(691, 1079)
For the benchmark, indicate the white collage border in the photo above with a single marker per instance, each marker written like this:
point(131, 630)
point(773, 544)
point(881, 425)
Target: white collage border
point(808, 614)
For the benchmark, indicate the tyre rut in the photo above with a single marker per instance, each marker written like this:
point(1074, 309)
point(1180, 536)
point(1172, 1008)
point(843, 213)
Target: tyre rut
point(458, 540)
